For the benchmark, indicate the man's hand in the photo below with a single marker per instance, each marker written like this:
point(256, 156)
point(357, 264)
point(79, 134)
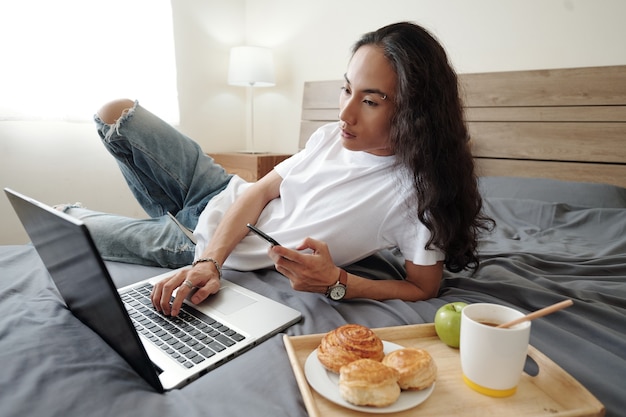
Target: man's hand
point(204, 278)
point(312, 270)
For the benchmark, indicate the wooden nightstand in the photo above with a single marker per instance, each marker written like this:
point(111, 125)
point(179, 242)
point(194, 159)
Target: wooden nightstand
point(249, 166)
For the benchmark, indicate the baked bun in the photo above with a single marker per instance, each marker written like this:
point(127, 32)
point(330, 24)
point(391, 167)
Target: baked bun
point(416, 368)
point(368, 382)
point(348, 343)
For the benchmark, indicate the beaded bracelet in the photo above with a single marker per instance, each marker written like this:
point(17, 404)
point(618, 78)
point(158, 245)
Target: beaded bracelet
point(217, 265)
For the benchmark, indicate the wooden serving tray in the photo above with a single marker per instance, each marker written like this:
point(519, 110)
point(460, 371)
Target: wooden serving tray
point(552, 392)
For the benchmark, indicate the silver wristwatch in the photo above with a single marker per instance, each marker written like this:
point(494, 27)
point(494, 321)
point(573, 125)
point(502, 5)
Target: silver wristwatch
point(338, 290)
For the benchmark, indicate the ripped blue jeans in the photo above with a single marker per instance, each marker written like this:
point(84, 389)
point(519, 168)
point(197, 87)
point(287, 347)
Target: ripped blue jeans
point(166, 172)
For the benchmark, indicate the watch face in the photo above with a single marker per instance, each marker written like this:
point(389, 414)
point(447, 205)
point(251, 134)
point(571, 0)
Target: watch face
point(337, 292)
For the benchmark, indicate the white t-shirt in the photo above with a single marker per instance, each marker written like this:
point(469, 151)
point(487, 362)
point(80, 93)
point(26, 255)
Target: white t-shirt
point(354, 201)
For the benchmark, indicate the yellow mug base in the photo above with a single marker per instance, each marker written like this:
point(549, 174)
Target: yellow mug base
point(500, 393)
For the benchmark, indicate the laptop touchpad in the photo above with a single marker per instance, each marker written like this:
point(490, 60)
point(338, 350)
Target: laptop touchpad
point(228, 301)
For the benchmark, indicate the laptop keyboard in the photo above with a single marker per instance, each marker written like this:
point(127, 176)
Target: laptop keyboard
point(190, 338)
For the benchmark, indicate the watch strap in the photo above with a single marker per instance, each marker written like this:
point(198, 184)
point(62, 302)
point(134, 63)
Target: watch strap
point(343, 277)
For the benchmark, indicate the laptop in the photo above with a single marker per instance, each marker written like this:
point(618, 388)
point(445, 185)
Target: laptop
point(168, 352)
point(188, 232)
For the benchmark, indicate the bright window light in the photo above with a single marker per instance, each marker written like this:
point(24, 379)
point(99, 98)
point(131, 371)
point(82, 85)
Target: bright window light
point(63, 59)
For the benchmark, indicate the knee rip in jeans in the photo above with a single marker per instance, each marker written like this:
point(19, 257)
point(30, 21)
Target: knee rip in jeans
point(114, 127)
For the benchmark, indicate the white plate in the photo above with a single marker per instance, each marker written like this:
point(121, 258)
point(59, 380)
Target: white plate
point(326, 383)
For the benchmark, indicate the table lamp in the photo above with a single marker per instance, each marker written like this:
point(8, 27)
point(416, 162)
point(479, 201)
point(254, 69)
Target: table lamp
point(251, 66)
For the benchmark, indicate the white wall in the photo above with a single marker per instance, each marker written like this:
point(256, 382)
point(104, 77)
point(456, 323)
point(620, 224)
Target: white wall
point(63, 162)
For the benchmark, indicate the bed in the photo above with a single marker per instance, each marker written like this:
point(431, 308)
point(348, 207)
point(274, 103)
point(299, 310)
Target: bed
point(549, 145)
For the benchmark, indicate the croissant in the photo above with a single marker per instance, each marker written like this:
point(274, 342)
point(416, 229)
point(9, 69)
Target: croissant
point(348, 343)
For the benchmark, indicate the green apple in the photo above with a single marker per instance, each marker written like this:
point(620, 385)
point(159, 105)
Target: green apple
point(448, 323)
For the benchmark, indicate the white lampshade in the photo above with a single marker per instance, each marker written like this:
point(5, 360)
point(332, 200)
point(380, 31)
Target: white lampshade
point(251, 66)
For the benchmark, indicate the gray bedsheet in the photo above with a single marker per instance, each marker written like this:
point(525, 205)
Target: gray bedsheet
point(553, 241)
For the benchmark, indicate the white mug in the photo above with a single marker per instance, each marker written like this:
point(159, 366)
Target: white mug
point(492, 359)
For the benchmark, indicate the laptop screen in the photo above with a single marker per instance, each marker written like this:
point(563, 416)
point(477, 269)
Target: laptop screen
point(70, 255)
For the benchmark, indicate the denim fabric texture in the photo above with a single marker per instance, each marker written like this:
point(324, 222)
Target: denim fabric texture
point(166, 172)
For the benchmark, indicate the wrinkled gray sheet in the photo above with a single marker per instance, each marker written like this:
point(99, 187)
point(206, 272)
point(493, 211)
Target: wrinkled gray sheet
point(554, 240)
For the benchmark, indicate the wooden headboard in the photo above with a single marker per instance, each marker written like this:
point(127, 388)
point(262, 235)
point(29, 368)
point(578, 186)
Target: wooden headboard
point(567, 124)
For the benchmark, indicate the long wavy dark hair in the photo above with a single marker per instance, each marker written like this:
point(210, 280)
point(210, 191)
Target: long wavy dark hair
point(430, 139)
